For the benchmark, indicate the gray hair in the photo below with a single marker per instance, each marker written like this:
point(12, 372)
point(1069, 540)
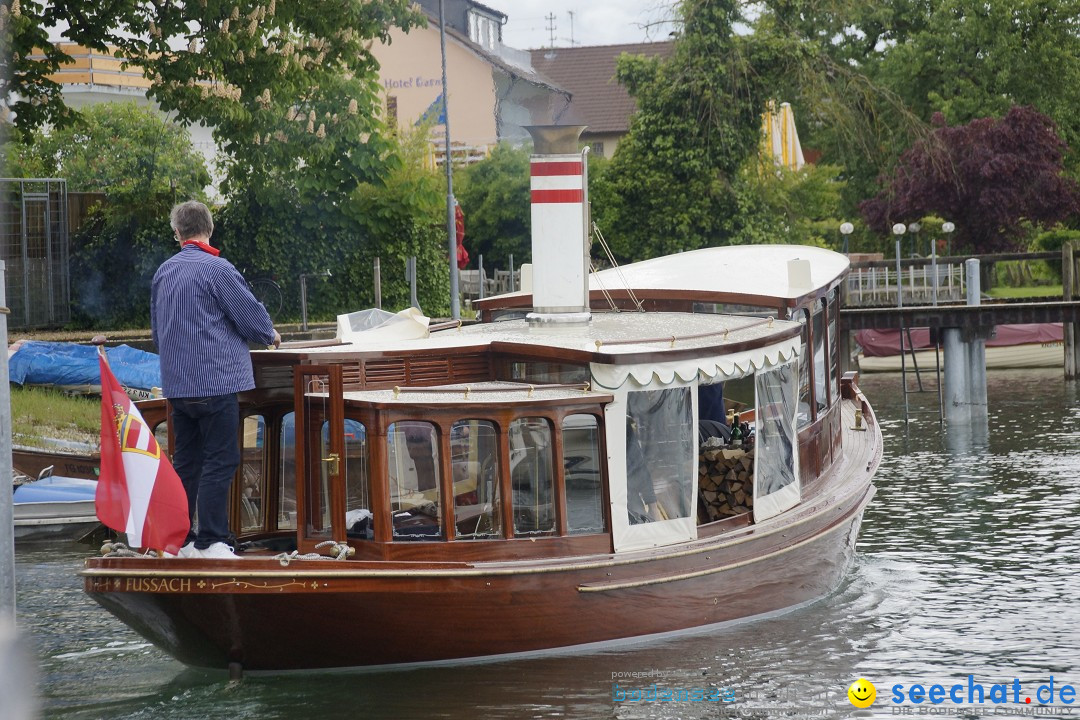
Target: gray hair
point(191, 219)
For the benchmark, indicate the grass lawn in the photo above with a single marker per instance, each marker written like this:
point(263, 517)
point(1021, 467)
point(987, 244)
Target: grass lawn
point(39, 415)
point(1031, 291)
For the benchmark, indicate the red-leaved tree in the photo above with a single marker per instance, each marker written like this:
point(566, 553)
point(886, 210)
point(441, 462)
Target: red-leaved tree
point(987, 177)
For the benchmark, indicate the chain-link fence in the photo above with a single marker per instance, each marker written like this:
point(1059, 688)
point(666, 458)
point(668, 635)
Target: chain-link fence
point(34, 245)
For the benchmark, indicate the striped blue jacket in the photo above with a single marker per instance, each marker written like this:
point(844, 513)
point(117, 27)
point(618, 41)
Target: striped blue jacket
point(202, 318)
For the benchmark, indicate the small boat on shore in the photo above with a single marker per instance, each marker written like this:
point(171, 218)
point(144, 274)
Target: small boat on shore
point(1027, 345)
point(563, 475)
point(54, 508)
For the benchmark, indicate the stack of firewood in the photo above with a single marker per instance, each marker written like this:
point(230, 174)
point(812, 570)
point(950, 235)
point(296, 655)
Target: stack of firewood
point(725, 481)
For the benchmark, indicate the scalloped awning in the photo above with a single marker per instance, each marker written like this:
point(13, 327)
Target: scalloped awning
point(708, 369)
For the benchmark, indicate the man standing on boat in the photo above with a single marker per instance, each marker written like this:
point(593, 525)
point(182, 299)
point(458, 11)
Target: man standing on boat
point(202, 317)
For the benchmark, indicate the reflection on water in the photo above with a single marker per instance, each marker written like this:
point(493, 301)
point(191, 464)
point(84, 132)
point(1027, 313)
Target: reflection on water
point(967, 565)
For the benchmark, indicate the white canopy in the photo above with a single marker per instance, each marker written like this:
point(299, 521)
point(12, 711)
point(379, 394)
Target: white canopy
point(706, 369)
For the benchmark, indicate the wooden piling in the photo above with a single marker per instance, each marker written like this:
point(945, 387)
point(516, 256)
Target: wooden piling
point(1069, 282)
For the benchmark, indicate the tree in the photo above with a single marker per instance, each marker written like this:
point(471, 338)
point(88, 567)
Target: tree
point(670, 184)
point(867, 77)
point(494, 194)
point(401, 215)
point(289, 90)
point(142, 162)
point(989, 177)
point(137, 157)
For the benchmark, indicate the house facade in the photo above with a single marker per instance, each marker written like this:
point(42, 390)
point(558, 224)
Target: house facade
point(493, 90)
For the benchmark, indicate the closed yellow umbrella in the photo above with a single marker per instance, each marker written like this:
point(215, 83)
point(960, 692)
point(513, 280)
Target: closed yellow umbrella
point(779, 139)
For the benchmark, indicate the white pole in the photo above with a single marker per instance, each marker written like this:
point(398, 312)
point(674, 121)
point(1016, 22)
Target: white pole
point(7, 512)
point(451, 224)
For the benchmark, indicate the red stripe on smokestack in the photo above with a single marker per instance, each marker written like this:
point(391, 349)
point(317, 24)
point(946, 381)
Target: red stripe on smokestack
point(543, 169)
point(557, 196)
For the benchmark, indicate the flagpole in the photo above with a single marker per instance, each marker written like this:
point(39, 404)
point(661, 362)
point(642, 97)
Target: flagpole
point(451, 225)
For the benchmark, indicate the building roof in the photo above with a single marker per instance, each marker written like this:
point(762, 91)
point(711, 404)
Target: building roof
point(589, 74)
point(530, 74)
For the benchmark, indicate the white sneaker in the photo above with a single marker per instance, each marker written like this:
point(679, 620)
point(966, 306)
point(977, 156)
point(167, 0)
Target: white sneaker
point(182, 552)
point(217, 551)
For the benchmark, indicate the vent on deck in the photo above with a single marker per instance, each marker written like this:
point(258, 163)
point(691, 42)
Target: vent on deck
point(387, 372)
point(273, 376)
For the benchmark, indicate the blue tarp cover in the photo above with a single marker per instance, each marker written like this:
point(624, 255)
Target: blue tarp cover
point(56, 363)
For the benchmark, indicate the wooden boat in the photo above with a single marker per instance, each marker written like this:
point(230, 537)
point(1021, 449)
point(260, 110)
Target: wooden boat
point(524, 485)
point(32, 462)
point(1027, 345)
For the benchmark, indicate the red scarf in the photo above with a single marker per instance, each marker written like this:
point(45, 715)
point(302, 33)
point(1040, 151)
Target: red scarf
point(203, 246)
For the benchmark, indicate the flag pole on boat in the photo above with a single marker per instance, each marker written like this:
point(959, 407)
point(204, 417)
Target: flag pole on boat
point(451, 225)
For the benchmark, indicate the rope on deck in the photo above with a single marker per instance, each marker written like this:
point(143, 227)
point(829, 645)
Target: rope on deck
point(338, 551)
point(119, 549)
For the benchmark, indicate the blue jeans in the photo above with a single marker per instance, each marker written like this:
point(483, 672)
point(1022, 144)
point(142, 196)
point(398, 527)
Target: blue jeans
point(206, 454)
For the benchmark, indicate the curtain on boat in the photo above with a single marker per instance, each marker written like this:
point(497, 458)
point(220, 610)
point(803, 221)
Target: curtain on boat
point(652, 467)
point(776, 461)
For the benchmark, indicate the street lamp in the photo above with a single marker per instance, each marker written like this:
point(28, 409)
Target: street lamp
point(947, 228)
point(846, 229)
point(914, 228)
point(898, 230)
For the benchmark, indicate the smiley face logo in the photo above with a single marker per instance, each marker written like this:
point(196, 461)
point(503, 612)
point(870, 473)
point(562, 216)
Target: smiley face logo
point(862, 693)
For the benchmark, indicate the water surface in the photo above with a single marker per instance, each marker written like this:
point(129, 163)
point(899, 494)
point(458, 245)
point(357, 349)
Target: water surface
point(967, 565)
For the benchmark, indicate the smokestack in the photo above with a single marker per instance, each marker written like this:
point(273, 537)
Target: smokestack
point(560, 250)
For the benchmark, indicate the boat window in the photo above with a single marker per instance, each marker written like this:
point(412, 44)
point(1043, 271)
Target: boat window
point(252, 478)
point(287, 473)
point(546, 373)
point(359, 522)
point(318, 490)
point(821, 380)
point(804, 373)
point(582, 471)
point(413, 458)
point(775, 445)
point(474, 462)
point(660, 453)
point(532, 476)
point(834, 343)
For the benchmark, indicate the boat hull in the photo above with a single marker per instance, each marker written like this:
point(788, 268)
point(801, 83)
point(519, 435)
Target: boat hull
point(31, 461)
point(1032, 355)
point(55, 508)
point(321, 614)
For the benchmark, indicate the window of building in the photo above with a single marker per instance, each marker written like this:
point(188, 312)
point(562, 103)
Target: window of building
point(597, 148)
point(483, 30)
point(391, 112)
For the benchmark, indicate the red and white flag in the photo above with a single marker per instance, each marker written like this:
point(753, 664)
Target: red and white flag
point(138, 492)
